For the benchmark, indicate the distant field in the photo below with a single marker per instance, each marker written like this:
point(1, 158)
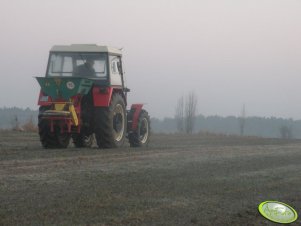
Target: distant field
point(177, 180)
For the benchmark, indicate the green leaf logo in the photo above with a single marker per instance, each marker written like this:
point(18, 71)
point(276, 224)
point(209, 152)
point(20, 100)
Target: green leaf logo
point(278, 212)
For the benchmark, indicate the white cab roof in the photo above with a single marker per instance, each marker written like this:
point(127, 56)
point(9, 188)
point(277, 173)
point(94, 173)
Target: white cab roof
point(85, 48)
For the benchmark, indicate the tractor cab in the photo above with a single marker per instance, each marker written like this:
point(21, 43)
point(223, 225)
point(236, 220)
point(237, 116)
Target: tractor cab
point(100, 63)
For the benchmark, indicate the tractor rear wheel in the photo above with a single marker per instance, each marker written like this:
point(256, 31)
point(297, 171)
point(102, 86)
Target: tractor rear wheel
point(49, 139)
point(140, 137)
point(110, 123)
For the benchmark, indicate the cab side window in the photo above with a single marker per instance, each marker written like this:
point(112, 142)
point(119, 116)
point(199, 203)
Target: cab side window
point(115, 62)
point(116, 70)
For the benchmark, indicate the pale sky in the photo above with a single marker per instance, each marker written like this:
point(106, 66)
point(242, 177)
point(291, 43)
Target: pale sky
point(229, 52)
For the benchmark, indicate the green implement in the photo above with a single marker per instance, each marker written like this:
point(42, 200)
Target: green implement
point(64, 88)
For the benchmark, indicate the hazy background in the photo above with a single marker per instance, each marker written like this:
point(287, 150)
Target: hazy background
point(229, 52)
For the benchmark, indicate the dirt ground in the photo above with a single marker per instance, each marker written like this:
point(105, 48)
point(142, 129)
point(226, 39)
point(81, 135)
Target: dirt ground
point(177, 180)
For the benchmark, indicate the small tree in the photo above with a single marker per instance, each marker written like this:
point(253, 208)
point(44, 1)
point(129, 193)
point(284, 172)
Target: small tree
point(286, 132)
point(242, 121)
point(15, 123)
point(29, 125)
point(179, 116)
point(190, 112)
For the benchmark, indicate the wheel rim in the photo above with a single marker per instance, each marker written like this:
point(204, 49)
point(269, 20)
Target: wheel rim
point(87, 139)
point(143, 132)
point(118, 122)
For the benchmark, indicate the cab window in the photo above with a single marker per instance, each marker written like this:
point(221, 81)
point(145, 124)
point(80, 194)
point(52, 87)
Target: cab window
point(115, 65)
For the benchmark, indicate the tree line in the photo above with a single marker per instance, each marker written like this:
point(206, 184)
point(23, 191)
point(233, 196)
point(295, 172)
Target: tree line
point(271, 127)
point(15, 118)
point(186, 120)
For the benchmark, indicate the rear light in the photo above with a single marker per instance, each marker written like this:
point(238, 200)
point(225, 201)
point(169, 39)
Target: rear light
point(44, 98)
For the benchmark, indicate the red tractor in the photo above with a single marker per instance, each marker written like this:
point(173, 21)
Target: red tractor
point(83, 96)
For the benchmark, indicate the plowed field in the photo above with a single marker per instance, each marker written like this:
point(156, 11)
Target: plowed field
point(177, 180)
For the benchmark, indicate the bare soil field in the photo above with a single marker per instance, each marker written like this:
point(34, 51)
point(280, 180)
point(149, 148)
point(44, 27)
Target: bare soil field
point(177, 180)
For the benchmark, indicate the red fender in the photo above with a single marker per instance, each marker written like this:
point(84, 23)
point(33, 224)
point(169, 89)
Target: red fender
point(102, 96)
point(136, 108)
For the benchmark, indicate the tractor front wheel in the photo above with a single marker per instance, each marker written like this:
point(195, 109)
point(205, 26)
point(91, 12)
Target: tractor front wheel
point(140, 137)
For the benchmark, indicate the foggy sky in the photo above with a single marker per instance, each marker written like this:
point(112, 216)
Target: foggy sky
point(229, 52)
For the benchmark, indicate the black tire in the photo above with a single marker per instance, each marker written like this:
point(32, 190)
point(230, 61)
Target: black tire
point(110, 123)
point(49, 139)
point(83, 140)
point(140, 137)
